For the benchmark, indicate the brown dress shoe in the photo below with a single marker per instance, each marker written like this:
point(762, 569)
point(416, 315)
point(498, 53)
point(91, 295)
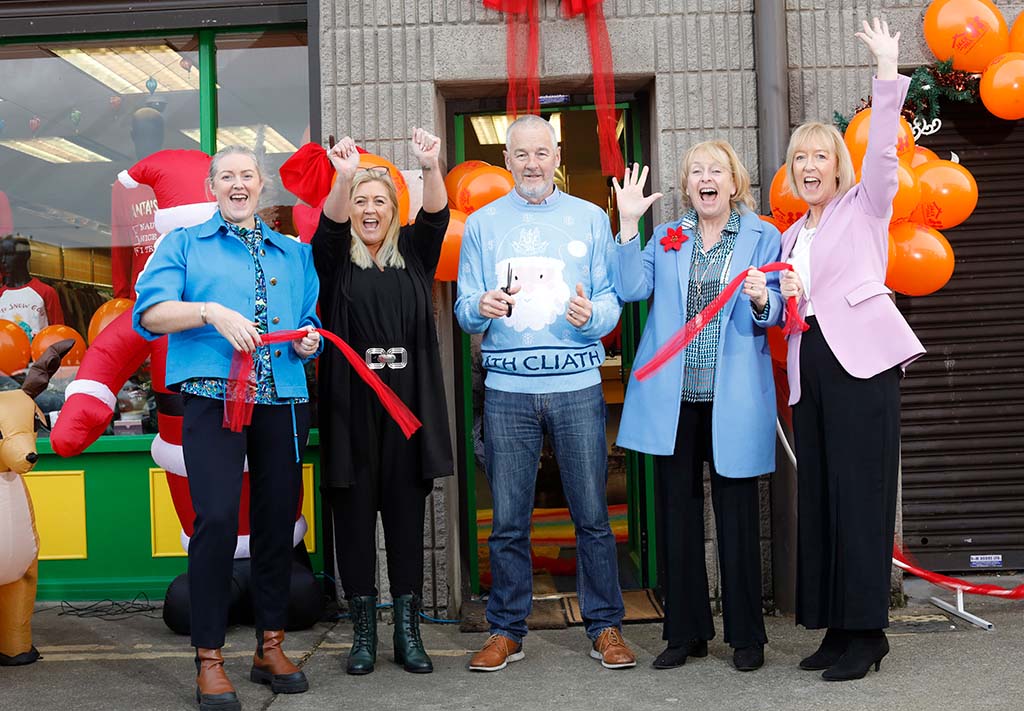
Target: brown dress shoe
point(270, 666)
point(611, 649)
point(496, 653)
point(213, 690)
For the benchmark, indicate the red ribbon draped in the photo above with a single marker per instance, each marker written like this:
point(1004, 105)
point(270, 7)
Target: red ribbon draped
point(949, 583)
point(523, 96)
point(683, 337)
point(238, 400)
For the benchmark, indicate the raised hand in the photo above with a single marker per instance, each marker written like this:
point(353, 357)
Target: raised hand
point(344, 156)
point(426, 147)
point(629, 197)
point(884, 46)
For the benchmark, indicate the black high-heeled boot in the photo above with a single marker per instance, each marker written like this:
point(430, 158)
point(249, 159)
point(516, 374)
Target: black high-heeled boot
point(831, 648)
point(865, 648)
point(363, 654)
point(409, 651)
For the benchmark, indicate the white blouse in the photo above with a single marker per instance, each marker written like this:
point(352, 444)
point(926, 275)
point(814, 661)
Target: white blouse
point(800, 258)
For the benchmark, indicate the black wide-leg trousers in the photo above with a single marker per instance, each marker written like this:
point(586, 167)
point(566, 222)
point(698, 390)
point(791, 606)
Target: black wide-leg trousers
point(679, 481)
point(847, 434)
point(214, 459)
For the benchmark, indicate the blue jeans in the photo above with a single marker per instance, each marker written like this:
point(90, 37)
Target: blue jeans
point(514, 428)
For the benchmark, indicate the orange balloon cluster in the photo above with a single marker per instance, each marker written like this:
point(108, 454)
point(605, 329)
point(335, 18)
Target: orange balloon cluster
point(971, 32)
point(932, 194)
point(54, 334)
point(974, 34)
point(15, 348)
point(481, 185)
point(105, 314)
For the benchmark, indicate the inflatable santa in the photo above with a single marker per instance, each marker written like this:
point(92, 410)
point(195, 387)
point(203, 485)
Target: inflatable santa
point(179, 180)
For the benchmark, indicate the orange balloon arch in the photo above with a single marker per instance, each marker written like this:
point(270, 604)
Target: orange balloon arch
point(55, 333)
point(451, 181)
point(15, 348)
point(481, 185)
point(1002, 86)
point(949, 194)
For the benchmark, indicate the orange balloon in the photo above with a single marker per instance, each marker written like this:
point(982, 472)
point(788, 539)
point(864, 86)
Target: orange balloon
point(908, 194)
point(920, 259)
point(448, 264)
point(919, 156)
point(482, 185)
point(856, 137)
point(15, 348)
point(1002, 86)
point(972, 32)
point(107, 313)
point(58, 332)
point(369, 160)
point(451, 181)
point(772, 221)
point(787, 208)
point(949, 194)
point(1017, 34)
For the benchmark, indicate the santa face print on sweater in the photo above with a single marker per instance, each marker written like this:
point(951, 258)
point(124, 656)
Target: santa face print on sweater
point(543, 292)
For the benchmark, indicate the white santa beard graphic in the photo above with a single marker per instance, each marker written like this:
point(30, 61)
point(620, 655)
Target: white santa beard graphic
point(539, 309)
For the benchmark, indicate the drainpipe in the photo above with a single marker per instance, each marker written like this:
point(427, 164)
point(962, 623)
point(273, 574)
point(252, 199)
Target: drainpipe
point(771, 62)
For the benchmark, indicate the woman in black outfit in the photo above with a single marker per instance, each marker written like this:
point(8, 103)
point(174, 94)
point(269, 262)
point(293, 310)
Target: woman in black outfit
point(376, 280)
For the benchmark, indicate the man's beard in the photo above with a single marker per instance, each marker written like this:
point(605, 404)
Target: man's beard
point(541, 191)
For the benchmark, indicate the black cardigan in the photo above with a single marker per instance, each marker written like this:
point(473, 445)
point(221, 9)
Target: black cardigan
point(420, 246)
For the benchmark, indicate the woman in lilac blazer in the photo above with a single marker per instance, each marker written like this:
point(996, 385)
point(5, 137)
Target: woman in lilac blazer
point(844, 377)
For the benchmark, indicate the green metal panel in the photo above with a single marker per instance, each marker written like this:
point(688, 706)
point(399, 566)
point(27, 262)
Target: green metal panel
point(120, 564)
point(207, 91)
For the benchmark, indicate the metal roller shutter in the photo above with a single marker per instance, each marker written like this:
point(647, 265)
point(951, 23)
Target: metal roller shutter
point(963, 403)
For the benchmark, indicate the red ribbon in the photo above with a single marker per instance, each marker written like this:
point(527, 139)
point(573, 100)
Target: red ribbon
point(238, 401)
point(900, 558)
point(524, 81)
point(683, 337)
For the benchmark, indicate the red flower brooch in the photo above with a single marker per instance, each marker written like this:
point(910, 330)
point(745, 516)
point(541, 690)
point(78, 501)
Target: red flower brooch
point(674, 238)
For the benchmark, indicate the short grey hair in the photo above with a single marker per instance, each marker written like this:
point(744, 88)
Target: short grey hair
point(530, 120)
point(234, 150)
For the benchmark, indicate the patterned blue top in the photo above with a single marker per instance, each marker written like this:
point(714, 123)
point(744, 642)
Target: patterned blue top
point(261, 379)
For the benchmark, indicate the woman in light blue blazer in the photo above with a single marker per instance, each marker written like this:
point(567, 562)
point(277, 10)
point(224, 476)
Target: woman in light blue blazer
point(713, 402)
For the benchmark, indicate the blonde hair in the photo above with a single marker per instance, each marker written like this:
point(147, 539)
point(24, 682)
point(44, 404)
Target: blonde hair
point(814, 133)
point(388, 254)
point(234, 150)
point(721, 152)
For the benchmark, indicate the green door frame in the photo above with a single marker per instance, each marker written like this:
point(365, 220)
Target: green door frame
point(639, 467)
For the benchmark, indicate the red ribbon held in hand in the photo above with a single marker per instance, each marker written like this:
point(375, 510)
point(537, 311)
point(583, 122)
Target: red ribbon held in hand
point(238, 402)
point(682, 338)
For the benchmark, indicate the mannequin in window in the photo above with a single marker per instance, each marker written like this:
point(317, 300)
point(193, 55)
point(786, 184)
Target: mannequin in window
point(131, 210)
point(24, 299)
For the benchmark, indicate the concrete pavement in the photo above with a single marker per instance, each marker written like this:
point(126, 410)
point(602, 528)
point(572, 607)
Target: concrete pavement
point(136, 663)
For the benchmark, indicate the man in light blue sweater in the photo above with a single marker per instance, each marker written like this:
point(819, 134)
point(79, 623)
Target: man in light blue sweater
point(533, 278)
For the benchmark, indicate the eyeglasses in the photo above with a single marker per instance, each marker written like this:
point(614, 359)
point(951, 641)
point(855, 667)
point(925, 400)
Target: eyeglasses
point(377, 171)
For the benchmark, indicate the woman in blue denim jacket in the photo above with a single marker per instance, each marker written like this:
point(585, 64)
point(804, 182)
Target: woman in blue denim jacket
point(713, 402)
point(215, 288)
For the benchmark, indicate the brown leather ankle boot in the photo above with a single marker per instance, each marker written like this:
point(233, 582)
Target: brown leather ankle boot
point(213, 690)
point(270, 665)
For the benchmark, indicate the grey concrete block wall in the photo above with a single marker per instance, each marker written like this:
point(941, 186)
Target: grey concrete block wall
point(387, 65)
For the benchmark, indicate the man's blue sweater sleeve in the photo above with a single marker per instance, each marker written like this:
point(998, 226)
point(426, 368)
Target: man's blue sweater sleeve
point(606, 305)
point(471, 285)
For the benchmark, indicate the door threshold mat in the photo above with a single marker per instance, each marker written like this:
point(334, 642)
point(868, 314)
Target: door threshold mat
point(547, 614)
point(641, 606)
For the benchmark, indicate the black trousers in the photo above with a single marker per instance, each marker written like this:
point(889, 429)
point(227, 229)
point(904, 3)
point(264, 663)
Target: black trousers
point(847, 433)
point(214, 458)
point(679, 509)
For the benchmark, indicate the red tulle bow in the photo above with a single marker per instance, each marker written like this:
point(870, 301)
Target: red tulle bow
point(238, 402)
point(683, 337)
point(523, 28)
